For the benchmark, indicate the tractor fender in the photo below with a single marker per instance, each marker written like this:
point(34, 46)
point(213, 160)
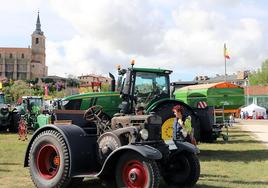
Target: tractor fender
point(163, 108)
point(145, 150)
point(173, 102)
point(81, 147)
point(186, 146)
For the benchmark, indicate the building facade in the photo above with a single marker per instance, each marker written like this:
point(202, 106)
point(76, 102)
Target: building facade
point(25, 63)
point(94, 81)
point(240, 78)
point(256, 95)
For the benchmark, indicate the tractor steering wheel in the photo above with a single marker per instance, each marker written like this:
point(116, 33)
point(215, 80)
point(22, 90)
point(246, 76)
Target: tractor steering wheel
point(149, 97)
point(93, 113)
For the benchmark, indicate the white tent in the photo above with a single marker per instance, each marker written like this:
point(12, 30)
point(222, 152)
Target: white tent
point(260, 112)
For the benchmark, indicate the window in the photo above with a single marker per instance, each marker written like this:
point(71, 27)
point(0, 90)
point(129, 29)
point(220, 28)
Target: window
point(72, 104)
point(36, 40)
point(10, 56)
point(149, 86)
point(22, 56)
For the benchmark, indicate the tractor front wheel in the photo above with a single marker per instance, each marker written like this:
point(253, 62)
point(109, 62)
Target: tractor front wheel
point(49, 160)
point(134, 170)
point(182, 170)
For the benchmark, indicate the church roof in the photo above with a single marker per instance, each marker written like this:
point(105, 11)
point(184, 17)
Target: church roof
point(13, 50)
point(38, 26)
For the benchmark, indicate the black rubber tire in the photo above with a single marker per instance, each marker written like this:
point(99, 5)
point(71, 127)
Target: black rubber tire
point(75, 182)
point(14, 122)
point(149, 166)
point(60, 179)
point(165, 112)
point(182, 170)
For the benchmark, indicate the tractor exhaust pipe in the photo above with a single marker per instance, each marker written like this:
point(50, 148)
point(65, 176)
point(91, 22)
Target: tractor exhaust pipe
point(112, 82)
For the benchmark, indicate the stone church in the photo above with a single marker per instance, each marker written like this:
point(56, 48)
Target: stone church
point(25, 63)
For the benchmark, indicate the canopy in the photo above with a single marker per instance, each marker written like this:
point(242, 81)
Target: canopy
point(253, 108)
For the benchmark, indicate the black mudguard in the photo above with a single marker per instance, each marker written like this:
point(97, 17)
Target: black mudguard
point(81, 147)
point(145, 150)
point(186, 146)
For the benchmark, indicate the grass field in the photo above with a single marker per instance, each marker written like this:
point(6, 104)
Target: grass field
point(241, 162)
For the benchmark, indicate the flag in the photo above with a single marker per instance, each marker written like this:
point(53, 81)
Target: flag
point(226, 54)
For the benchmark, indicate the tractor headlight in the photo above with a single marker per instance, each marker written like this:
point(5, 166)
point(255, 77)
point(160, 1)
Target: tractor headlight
point(144, 134)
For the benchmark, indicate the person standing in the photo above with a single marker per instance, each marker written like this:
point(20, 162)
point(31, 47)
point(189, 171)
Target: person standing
point(182, 123)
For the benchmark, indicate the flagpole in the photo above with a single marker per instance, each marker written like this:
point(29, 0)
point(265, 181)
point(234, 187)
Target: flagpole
point(224, 48)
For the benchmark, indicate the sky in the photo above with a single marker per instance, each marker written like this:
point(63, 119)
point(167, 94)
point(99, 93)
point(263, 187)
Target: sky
point(93, 37)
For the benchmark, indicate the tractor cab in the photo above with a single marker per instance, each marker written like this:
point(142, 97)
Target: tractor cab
point(32, 103)
point(142, 86)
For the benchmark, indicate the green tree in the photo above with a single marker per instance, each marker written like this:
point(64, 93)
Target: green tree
point(260, 77)
point(19, 89)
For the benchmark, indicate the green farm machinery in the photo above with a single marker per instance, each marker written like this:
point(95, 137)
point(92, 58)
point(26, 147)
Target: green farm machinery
point(32, 111)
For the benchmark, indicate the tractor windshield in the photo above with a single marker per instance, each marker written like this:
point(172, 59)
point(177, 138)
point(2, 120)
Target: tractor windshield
point(150, 85)
point(36, 101)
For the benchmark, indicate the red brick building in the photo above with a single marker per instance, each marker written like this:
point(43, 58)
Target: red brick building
point(257, 95)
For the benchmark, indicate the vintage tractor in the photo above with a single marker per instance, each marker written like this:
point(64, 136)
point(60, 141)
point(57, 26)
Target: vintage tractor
point(128, 149)
point(148, 87)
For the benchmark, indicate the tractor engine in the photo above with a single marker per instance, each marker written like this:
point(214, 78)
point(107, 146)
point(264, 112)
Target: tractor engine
point(148, 126)
point(131, 129)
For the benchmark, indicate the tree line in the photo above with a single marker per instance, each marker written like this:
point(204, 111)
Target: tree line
point(260, 77)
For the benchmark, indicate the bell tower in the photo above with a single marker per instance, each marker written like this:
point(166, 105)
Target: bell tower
point(38, 63)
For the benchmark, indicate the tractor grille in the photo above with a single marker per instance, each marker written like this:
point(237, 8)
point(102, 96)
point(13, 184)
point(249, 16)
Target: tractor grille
point(154, 131)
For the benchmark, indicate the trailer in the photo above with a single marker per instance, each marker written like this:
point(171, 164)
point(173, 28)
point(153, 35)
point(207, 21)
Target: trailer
point(217, 100)
point(216, 94)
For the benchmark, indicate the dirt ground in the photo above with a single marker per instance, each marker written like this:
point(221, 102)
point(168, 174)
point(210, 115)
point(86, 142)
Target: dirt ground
point(259, 128)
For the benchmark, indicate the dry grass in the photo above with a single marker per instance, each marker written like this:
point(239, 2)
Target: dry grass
point(241, 162)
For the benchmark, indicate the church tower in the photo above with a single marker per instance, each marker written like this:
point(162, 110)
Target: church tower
point(38, 62)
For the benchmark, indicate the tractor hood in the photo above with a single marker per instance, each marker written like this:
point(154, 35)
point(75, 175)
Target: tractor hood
point(90, 94)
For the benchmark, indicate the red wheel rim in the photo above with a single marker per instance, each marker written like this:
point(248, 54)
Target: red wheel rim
point(48, 161)
point(134, 174)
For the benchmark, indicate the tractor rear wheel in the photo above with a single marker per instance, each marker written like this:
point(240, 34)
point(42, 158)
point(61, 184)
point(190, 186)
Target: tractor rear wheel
point(134, 170)
point(49, 160)
point(182, 170)
point(167, 115)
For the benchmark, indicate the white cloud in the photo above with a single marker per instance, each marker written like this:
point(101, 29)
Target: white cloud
point(186, 36)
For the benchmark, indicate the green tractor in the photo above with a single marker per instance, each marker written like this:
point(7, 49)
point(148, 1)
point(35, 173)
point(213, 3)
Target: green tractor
point(31, 110)
point(148, 87)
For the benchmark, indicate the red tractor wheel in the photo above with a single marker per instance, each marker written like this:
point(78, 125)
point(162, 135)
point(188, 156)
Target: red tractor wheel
point(134, 170)
point(49, 160)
